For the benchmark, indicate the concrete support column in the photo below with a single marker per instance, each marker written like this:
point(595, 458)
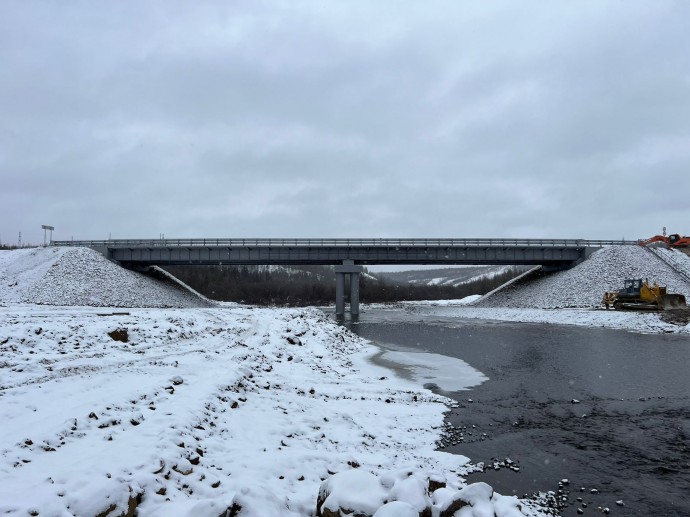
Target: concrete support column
point(339, 294)
point(347, 268)
point(354, 294)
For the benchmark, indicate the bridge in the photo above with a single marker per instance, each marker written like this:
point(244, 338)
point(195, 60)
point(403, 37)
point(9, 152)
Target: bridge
point(347, 255)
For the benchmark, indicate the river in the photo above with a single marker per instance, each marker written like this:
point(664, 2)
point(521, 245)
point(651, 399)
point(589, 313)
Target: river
point(606, 410)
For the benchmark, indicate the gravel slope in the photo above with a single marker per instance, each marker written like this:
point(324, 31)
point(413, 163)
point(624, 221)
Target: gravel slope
point(584, 285)
point(82, 277)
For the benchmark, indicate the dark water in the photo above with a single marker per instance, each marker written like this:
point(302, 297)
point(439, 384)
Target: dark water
point(627, 437)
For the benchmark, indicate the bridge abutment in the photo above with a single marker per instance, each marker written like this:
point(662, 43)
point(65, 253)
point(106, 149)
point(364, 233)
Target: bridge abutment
point(349, 268)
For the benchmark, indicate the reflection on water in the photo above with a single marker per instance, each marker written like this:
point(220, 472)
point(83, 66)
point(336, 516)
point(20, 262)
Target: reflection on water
point(607, 409)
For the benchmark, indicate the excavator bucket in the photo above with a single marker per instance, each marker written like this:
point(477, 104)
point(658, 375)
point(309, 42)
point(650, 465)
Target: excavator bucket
point(673, 301)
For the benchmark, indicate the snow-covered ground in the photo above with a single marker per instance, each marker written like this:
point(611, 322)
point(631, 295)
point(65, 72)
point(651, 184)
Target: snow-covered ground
point(198, 409)
point(195, 411)
point(645, 322)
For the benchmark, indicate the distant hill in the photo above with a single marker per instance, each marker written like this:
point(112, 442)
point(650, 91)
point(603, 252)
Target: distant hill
point(451, 276)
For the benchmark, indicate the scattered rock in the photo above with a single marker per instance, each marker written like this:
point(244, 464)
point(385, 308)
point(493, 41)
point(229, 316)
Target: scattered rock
point(120, 334)
point(183, 467)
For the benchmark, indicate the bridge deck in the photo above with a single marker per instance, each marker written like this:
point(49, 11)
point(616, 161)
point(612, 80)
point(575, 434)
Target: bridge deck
point(548, 252)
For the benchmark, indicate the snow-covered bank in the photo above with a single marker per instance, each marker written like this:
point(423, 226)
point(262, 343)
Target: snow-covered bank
point(184, 412)
point(633, 321)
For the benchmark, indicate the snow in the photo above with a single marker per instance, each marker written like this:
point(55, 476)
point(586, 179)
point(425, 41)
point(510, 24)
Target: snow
point(404, 493)
point(447, 373)
point(196, 411)
point(584, 285)
point(633, 321)
point(396, 509)
point(354, 490)
point(200, 409)
point(444, 303)
point(253, 412)
point(490, 275)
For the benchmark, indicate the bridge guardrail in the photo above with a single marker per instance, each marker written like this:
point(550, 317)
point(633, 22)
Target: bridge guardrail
point(141, 243)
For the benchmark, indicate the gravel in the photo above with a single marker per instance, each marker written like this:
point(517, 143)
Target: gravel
point(83, 277)
point(584, 285)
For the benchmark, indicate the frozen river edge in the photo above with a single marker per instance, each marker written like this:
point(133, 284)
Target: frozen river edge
point(632, 321)
point(189, 411)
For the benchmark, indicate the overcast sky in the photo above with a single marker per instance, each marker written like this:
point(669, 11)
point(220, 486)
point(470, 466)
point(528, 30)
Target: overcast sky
point(344, 119)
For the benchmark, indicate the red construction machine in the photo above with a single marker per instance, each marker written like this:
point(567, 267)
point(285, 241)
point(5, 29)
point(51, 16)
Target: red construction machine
point(674, 240)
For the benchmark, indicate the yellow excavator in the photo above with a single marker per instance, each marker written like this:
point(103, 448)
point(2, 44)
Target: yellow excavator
point(640, 295)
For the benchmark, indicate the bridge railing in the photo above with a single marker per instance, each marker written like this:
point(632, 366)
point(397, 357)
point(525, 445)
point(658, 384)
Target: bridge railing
point(541, 243)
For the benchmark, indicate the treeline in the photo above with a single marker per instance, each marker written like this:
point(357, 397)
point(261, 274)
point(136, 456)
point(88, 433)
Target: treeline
point(8, 247)
point(315, 285)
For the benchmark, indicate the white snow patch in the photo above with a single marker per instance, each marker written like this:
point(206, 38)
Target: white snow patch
point(396, 509)
point(634, 321)
point(467, 300)
point(448, 373)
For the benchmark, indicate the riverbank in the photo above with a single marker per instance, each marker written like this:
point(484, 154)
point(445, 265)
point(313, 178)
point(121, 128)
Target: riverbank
point(633, 321)
point(603, 408)
point(188, 411)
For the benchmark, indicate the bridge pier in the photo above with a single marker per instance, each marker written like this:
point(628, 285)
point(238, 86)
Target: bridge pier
point(347, 268)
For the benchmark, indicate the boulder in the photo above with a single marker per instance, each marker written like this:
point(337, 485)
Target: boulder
point(476, 495)
point(352, 493)
point(397, 509)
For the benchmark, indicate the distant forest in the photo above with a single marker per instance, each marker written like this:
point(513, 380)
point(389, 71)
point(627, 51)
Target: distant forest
point(315, 285)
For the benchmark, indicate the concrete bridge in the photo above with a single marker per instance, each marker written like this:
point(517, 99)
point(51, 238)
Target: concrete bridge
point(347, 255)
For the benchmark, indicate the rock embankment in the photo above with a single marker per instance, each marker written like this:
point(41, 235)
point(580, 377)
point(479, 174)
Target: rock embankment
point(83, 277)
point(584, 285)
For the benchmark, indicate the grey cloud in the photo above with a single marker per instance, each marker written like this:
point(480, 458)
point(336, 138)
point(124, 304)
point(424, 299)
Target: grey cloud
point(317, 119)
